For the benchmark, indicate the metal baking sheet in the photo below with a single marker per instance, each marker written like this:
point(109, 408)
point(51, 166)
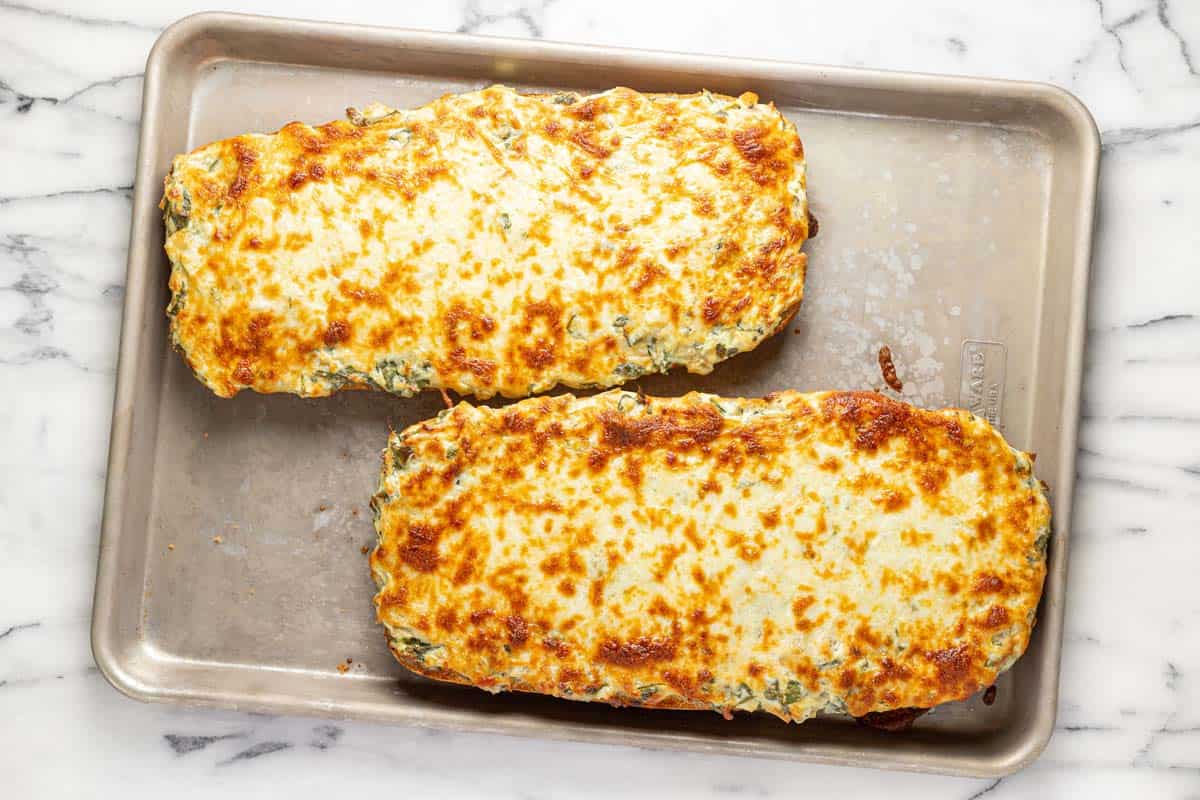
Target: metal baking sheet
point(955, 228)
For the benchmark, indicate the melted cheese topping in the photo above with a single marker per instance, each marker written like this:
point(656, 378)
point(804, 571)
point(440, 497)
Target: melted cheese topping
point(802, 553)
point(489, 242)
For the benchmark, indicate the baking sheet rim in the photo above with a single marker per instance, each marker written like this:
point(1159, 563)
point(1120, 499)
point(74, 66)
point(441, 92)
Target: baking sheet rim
point(111, 652)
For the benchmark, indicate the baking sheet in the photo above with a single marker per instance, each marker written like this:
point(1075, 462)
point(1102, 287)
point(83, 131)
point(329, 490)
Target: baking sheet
point(955, 228)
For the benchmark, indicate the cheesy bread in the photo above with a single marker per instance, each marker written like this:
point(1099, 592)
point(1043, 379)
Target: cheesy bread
point(796, 554)
point(487, 243)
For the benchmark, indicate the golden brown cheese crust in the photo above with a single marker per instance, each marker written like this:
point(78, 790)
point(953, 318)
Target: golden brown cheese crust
point(801, 553)
point(489, 242)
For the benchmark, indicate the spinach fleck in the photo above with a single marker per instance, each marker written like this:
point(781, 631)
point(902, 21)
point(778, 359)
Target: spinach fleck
point(418, 647)
point(629, 370)
point(392, 372)
point(178, 300)
point(344, 376)
point(178, 214)
point(400, 455)
point(421, 375)
point(571, 329)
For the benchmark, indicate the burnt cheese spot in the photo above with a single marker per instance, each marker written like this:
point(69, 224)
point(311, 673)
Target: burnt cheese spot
point(678, 428)
point(890, 671)
point(750, 143)
point(953, 666)
point(586, 140)
point(985, 528)
point(420, 549)
point(482, 368)
point(636, 652)
point(893, 500)
point(337, 333)
point(518, 629)
point(800, 608)
point(588, 109)
point(246, 158)
point(243, 373)
point(988, 584)
point(558, 647)
point(997, 617)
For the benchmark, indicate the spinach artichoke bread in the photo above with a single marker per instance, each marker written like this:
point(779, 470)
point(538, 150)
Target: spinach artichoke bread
point(487, 243)
point(796, 554)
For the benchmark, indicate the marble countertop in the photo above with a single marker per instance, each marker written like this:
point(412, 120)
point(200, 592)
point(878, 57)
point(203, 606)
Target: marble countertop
point(1129, 721)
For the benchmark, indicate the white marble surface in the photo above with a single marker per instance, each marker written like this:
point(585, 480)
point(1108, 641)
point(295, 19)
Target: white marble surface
point(1129, 722)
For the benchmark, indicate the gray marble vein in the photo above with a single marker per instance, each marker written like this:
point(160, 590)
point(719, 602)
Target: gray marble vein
point(183, 744)
point(1135, 135)
point(124, 191)
point(476, 20)
point(257, 750)
point(1113, 29)
point(74, 19)
point(1163, 10)
point(11, 629)
point(986, 790)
